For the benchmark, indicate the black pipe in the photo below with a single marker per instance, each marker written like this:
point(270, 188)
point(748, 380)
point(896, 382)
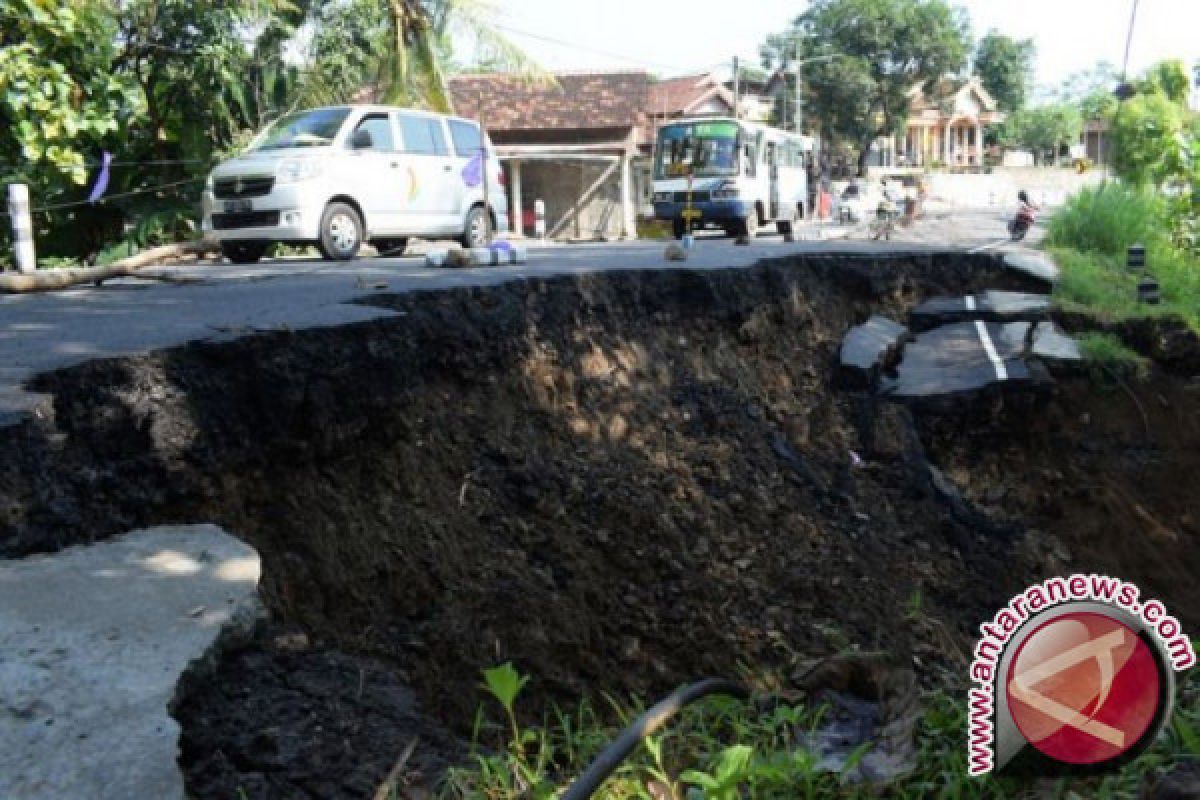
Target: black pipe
point(645, 725)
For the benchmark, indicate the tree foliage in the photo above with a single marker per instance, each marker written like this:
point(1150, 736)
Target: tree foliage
point(882, 49)
point(170, 86)
point(57, 97)
point(1168, 78)
point(418, 57)
point(164, 85)
point(1005, 67)
point(1045, 129)
point(1153, 132)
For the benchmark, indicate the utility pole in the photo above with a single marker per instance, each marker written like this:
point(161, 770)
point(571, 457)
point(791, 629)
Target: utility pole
point(737, 77)
point(799, 91)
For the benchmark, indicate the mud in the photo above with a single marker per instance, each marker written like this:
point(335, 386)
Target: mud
point(619, 482)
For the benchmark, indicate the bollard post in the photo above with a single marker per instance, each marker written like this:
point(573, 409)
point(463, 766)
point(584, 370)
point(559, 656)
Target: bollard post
point(1135, 259)
point(1148, 291)
point(539, 218)
point(22, 227)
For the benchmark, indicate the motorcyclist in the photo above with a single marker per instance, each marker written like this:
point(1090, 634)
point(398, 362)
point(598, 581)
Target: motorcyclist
point(1026, 215)
point(887, 204)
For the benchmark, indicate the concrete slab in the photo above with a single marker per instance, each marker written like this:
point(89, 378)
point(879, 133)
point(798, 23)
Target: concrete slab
point(961, 359)
point(1032, 263)
point(991, 305)
point(867, 348)
point(93, 641)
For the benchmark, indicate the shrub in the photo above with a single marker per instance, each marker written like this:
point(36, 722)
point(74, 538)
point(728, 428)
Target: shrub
point(1108, 219)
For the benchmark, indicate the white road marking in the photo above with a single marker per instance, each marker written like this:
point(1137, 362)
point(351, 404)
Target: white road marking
point(990, 349)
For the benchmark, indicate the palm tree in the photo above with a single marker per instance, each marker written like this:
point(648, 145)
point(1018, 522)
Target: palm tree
point(403, 48)
point(416, 72)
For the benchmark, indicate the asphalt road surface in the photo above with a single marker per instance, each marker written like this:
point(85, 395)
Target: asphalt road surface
point(43, 332)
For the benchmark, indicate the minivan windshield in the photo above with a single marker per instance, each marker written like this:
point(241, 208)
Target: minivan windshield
point(304, 129)
point(700, 148)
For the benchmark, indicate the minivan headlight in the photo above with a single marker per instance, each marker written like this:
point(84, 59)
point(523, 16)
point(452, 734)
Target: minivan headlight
point(295, 170)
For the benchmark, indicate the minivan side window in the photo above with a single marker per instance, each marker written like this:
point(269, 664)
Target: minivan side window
point(380, 129)
point(467, 140)
point(423, 135)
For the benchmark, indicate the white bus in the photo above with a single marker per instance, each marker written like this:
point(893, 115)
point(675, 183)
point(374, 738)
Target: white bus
point(742, 175)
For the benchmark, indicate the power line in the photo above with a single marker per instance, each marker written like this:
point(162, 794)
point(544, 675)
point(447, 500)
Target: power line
point(106, 198)
point(13, 169)
point(576, 46)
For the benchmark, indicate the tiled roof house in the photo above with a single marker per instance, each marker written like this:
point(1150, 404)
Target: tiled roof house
point(571, 143)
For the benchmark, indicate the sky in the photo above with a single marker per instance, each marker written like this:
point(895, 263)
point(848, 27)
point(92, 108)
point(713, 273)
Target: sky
point(672, 37)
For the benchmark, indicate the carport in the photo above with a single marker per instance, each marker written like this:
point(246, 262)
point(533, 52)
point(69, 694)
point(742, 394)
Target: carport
point(572, 144)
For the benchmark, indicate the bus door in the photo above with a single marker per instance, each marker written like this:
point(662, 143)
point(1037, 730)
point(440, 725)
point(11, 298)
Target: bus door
point(773, 177)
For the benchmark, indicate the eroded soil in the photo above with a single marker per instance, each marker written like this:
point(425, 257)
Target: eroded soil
point(618, 482)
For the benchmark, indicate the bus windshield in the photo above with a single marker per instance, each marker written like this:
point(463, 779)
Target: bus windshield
point(697, 148)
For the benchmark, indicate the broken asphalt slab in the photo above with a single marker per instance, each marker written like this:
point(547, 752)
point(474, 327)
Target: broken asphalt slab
point(1054, 347)
point(868, 348)
point(991, 305)
point(94, 640)
point(962, 358)
point(1032, 263)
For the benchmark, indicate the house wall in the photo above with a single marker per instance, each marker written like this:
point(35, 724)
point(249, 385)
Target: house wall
point(1099, 147)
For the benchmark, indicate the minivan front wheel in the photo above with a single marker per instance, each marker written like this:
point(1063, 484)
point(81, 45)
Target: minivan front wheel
point(478, 230)
point(341, 232)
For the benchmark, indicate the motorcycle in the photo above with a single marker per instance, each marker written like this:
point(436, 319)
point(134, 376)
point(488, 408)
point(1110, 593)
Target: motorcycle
point(884, 224)
point(1020, 225)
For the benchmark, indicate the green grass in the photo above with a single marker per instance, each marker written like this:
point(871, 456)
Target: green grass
point(1108, 351)
point(723, 749)
point(1108, 219)
point(1089, 237)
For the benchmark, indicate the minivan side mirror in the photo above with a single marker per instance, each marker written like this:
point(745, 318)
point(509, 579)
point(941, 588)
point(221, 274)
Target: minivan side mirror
point(361, 140)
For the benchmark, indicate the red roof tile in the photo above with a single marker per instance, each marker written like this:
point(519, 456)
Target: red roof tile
point(679, 95)
point(575, 101)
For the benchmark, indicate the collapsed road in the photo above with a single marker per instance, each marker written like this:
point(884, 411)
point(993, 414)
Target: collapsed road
point(618, 481)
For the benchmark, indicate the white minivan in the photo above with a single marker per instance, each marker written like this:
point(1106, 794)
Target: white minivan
point(341, 176)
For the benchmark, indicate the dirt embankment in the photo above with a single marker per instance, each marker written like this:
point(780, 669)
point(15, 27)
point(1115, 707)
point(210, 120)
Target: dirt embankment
point(619, 482)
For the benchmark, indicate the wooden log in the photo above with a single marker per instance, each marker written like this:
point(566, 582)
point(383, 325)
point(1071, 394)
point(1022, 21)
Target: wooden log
point(51, 279)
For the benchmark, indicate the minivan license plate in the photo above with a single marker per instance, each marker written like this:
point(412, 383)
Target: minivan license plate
point(237, 206)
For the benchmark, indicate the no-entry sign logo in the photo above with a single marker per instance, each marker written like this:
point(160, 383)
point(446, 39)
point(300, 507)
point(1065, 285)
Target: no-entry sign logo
point(1074, 673)
point(1084, 688)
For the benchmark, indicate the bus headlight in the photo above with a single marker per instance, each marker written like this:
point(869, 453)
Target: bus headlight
point(726, 191)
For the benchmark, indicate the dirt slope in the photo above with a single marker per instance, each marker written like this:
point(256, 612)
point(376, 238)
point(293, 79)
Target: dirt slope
point(619, 482)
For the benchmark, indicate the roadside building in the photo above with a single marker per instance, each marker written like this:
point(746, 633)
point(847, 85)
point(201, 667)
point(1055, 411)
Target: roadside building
point(582, 144)
point(573, 143)
point(945, 127)
point(1096, 141)
point(701, 95)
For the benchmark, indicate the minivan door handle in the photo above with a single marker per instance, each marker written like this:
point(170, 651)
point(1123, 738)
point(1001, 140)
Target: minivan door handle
point(447, 168)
